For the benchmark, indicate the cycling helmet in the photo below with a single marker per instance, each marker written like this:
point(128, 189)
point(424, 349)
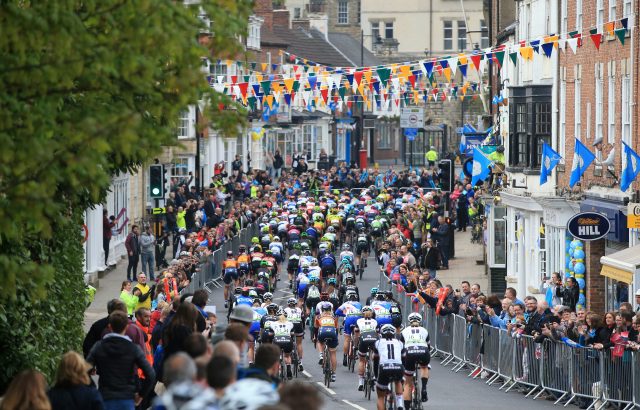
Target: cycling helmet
point(332, 281)
point(326, 307)
point(242, 248)
point(313, 279)
point(380, 296)
point(388, 331)
point(276, 238)
point(324, 296)
point(253, 293)
point(353, 296)
point(272, 308)
point(237, 290)
point(374, 291)
point(291, 302)
point(367, 309)
point(267, 296)
point(268, 252)
point(249, 394)
point(331, 229)
point(261, 275)
point(257, 301)
point(255, 240)
point(281, 312)
point(349, 279)
point(229, 254)
point(346, 247)
point(306, 252)
point(414, 317)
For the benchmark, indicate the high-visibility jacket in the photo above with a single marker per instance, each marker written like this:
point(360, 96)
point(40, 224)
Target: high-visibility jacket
point(431, 155)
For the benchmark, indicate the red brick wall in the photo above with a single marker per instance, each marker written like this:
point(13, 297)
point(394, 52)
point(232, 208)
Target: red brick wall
point(587, 56)
point(264, 9)
point(595, 282)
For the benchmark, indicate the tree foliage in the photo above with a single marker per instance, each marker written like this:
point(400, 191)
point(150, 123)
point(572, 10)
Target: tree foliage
point(89, 88)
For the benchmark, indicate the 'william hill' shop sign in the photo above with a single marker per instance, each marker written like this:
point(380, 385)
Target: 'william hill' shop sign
point(588, 226)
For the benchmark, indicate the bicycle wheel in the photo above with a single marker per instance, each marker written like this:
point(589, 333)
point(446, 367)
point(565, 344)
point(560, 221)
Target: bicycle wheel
point(327, 367)
point(416, 403)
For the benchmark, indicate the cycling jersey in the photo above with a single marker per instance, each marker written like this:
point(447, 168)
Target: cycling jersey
point(389, 351)
point(229, 264)
point(258, 312)
point(347, 255)
point(415, 336)
point(294, 315)
point(351, 311)
point(381, 309)
point(244, 300)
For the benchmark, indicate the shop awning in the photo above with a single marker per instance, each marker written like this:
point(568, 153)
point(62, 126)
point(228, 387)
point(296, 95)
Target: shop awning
point(622, 265)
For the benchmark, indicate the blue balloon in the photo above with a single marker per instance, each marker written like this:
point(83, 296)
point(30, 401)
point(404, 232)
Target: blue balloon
point(581, 283)
point(579, 268)
point(570, 265)
point(567, 259)
point(578, 254)
point(582, 300)
point(567, 275)
point(571, 252)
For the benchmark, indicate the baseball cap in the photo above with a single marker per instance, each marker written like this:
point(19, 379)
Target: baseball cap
point(638, 292)
point(242, 313)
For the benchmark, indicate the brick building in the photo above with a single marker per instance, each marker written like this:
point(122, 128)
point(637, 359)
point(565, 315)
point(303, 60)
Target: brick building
point(597, 90)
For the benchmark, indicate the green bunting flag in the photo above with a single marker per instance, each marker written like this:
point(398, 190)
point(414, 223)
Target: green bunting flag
point(266, 87)
point(500, 57)
point(621, 33)
point(514, 58)
point(384, 74)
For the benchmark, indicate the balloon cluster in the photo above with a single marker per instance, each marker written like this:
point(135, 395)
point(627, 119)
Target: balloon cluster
point(575, 266)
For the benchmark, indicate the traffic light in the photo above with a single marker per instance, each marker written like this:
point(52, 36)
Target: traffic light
point(447, 177)
point(156, 181)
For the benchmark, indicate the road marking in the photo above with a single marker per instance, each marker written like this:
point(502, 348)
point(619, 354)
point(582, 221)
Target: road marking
point(307, 374)
point(355, 406)
point(331, 392)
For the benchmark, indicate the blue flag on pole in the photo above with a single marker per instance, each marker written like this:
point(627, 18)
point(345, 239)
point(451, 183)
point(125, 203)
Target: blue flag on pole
point(582, 158)
point(632, 168)
point(481, 166)
point(550, 159)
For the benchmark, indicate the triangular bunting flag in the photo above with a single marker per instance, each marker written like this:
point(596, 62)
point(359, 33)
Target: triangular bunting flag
point(514, 58)
point(621, 33)
point(596, 37)
point(547, 48)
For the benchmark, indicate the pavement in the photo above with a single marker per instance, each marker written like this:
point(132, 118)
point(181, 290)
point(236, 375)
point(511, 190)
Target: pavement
point(447, 390)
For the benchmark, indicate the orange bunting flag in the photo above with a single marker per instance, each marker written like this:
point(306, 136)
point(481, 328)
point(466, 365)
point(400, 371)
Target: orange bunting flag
point(526, 52)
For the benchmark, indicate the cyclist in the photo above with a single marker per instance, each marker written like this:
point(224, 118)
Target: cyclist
point(292, 267)
point(416, 341)
point(254, 329)
point(266, 332)
point(367, 327)
point(326, 329)
point(362, 247)
point(351, 311)
point(267, 298)
point(282, 336)
point(372, 297)
point(312, 294)
point(294, 315)
point(277, 249)
point(256, 258)
point(244, 298)
point(390, 370)
point(332, 290)
point(382, 309)
point(346, 254)
point(394, 310)
point(262, 283)
point(230, 274)
point(244, 262)
point(349, 286)
point(327, 265)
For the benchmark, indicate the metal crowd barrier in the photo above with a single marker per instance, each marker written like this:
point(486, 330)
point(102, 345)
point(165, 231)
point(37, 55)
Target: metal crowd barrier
point(555, 370)
point(209, 276)
point(526, 363)
point(491, 356)
point(473, 347)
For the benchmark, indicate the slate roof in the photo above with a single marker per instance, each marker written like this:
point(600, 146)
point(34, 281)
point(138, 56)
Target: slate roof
point(351, 48)
point(310, 44)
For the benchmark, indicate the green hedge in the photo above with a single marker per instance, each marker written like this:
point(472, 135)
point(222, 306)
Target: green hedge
point(35, 330)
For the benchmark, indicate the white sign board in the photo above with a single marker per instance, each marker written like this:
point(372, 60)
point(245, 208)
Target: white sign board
point(412, 117)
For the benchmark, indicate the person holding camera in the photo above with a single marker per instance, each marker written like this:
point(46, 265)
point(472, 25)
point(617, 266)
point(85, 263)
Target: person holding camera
point(569, 293)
